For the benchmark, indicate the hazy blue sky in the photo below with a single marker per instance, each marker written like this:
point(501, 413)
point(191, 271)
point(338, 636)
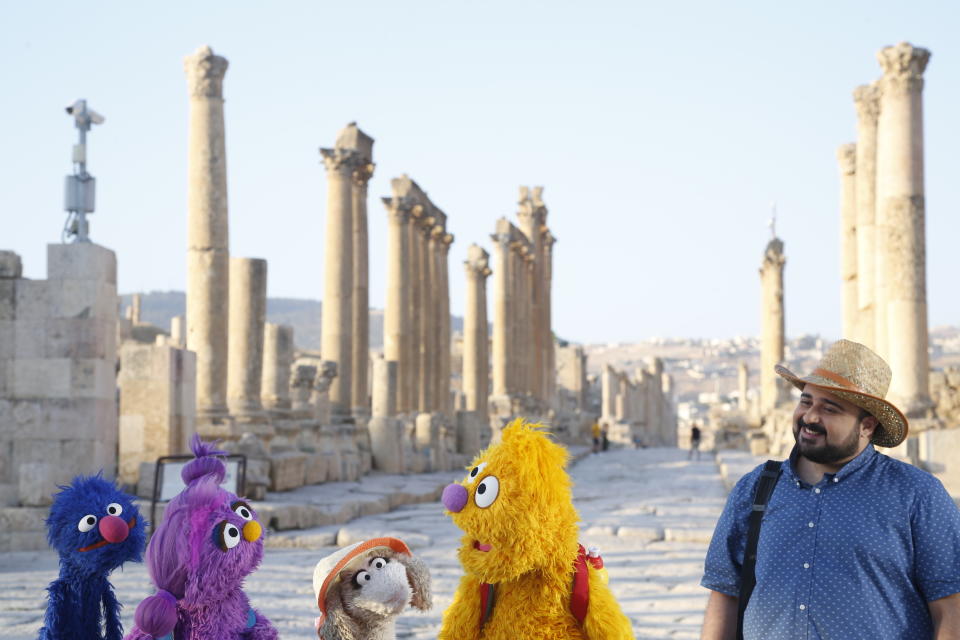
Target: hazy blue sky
point(661, 132)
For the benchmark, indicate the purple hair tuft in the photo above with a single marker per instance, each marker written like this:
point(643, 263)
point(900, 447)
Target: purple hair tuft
point(205, 463)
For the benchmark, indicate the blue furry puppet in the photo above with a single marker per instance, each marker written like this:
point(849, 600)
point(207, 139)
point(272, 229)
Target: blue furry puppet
point(95, 528)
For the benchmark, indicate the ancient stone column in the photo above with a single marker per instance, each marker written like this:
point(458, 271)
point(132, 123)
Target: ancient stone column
point(178, 332)
point(248, 312)
point(415, 241)
point(609, 389)
point(135, 304)
point(435, 251)
point(866, 98)
point(547, 301)
point(900, 199)
point(502, 303)
point(277, 359)
point(847, 156)
point(444, 397)
point(207, 231)
point(530, 217)
point(397, 334)
point(743, 382)
point(476, 365)
point(385, 430)
point(337, 325)
point(356, 140)
point(428, 335)
point(771, 324)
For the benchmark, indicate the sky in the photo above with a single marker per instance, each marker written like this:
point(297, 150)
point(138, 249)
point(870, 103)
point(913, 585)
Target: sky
point(661, 132)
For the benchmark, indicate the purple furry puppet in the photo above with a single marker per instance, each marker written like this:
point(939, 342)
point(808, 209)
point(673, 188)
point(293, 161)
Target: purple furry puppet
point(95, 528)
point(208, 542)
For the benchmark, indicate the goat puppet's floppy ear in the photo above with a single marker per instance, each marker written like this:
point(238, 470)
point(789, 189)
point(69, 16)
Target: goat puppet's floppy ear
point(419, 578)
point(337, 617)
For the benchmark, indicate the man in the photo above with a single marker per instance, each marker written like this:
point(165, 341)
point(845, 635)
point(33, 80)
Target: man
point(853, 544)
point(595, 430)
point(694, 442)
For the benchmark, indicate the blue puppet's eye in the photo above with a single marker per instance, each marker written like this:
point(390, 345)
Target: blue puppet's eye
point(114, 509)
point(87, 522)
point(226, 536)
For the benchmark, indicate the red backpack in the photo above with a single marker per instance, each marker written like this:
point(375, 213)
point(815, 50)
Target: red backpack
point(579, 597)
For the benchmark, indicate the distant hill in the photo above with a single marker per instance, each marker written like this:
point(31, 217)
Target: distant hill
point(158, 307)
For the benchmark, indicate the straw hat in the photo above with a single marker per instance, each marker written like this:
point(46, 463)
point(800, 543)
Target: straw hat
point(328, 570)
point(858, 375)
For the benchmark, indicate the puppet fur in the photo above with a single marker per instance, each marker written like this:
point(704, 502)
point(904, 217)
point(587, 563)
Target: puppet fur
point(95, 528)
point(520, 534)
point(365, 597)
point(208, 542)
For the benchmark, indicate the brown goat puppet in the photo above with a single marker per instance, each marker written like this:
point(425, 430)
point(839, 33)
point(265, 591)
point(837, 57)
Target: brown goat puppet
point(362, 588)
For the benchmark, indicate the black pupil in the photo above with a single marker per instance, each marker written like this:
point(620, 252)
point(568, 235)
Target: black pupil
point(243, 512)
point(232, 531)
point(113, 510)
point(482, 488)
point(91, 520)
point(473, 473)
point(366, 577)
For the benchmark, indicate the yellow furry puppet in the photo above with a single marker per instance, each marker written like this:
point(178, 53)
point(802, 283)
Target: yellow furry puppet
point(520, 554)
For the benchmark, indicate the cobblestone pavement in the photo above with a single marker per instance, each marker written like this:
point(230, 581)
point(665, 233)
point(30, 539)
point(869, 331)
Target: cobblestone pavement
point(650, 511)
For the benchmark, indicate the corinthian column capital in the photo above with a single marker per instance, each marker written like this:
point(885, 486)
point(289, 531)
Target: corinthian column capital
point(477, 263)
point(903, 66)
point(362, 173)
point(866, 98)
point(338, 159)
point(847, 157)
point(205, 73)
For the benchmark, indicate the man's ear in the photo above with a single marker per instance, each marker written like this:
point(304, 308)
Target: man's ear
point(868, 425)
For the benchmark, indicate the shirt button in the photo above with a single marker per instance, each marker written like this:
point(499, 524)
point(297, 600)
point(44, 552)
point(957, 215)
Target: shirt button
point(802, 607)
point(806, 565)
point(810, 524)
point(817, 490)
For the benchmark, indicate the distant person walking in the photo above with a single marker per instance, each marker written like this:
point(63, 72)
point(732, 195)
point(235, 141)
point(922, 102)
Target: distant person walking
point(603, 435)
point(694, 442)
point(595, 430)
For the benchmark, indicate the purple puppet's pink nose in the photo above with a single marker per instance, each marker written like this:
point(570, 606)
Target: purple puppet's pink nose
point(454, 497)
point(114, 529)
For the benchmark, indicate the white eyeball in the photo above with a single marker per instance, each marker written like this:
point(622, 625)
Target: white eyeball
point(87, 522)
point(487, 492)
point(242, 510)
point(229, 536)
point(114, 509)
point(378, 563)
point(362, 578)
point(476, 471)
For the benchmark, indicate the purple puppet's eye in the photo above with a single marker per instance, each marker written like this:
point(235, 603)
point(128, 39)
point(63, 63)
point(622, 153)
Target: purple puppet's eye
point(242, 509)
point(226, 535)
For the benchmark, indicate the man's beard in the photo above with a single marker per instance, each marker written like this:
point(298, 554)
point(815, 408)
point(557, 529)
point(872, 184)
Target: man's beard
point(826, 453)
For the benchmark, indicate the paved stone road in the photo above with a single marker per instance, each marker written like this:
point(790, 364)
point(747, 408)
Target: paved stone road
point(650, 511)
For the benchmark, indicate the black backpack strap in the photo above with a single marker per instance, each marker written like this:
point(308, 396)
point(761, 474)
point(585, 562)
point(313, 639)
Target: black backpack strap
point(748, 578)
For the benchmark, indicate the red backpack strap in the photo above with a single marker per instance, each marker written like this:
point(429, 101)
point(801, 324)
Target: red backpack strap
point(487, 596)
point(580, 597)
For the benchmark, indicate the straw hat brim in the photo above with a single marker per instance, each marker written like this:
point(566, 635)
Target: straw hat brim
point(893, 426)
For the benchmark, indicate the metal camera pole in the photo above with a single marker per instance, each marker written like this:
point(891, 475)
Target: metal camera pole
point(79, 192)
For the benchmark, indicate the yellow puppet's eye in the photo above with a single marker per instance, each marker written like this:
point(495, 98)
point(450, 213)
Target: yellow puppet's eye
point(487, 492)
point(476, 471)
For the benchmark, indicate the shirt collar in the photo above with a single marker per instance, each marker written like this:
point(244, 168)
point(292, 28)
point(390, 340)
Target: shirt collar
point(857, 463)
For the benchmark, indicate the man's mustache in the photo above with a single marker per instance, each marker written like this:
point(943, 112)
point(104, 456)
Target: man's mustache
point(814, 428)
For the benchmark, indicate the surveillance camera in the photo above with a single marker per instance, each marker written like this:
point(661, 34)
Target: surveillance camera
point(76, 106)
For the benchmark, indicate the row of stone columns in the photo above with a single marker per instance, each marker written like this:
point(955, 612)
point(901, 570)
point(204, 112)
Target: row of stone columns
point(524, 360)
point(889, 235)
point(638, 407)
point(417, 329)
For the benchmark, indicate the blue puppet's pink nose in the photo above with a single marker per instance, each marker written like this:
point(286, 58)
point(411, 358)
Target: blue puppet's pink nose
point(454, 497)
point(113, 529)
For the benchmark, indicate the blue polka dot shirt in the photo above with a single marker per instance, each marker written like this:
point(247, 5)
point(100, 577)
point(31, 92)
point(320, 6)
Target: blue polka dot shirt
point(858, 555)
